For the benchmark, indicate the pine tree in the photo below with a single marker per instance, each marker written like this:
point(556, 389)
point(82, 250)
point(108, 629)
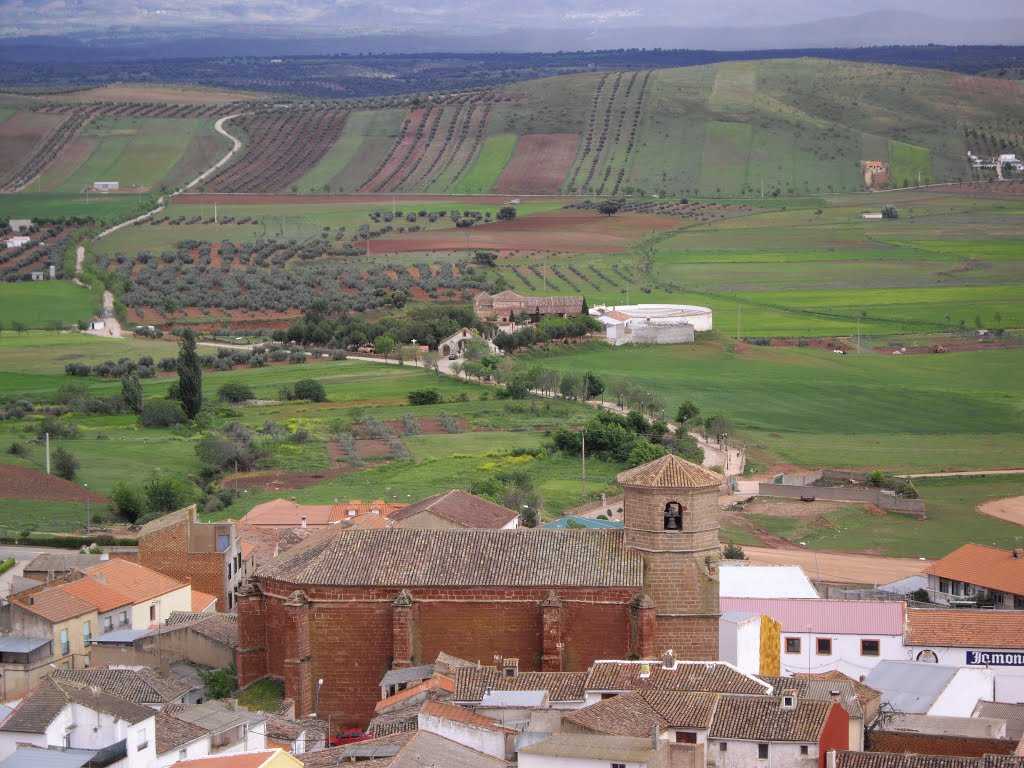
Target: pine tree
point(131, 393)
point(190, 375)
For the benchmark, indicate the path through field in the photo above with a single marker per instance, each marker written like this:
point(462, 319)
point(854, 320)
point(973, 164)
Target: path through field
point(840, 567)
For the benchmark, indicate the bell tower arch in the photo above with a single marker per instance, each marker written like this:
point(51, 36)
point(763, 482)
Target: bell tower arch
point(671, 516)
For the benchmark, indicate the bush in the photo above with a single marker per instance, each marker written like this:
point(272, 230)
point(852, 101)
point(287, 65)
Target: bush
point(127, 502)
point(220, 683)
point(77, 369)
point(424, 397)
point(309, 389)
point(162, 413)
point(733, 551)
point(17, 449)
point(297, 356)
point(235, 392)
point(65, 464)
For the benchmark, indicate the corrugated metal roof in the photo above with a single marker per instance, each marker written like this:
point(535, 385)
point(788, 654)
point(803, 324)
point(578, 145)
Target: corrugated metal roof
point(33, 757)
point(910, 686)
point(787, 581)
point(841, 617)
point(586, 522)
point(14, 644)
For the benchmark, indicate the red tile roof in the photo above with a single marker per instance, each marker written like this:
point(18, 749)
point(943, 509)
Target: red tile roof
point(462, 715)
point(462, 508)
point(201, 600)
point(240, 760)
point(56, 605)
point(987, 567)
point(103, 596)
point(963, 628)
point(137, 582)
point(670, 471)
point(437, 682)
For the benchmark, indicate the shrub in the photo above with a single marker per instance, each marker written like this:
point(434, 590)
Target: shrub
point(297, 356)
point(77, 369)
point(234, 392)
point(65, 464)
point(309, 389)
point(17, 449)
point(162, 413)
point(424, 397)
point(127, 502)
point(733, 551)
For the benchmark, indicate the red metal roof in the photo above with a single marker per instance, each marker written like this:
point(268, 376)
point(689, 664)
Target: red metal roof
point(841, 617)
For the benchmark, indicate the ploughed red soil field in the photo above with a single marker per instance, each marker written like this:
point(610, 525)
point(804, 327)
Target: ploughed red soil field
point(540, 163)
point(35, 485)
point(571, 230)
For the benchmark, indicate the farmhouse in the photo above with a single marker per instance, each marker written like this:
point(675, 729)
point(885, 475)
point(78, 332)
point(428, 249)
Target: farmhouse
point(652, 323)
point(975, 573)
point(106, 186)
point(17, 242)
point(502, 307)
point(17, 225)
point(554, 599)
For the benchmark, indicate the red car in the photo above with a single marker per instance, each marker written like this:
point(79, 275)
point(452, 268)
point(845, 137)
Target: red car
point(348, 737)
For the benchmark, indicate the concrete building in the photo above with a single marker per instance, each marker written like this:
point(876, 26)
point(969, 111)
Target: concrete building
point(750, 641)
point(106, 186)
point(850, 636)
point(19, 225)
point(232, 729)
point(652, 323)
point(17, 242)
point(177, 740)
point(68, 622)
point(208, 556)
point(65, 715)
point(551, 599)
point(739, 578)
point(931, 689)
point(972, 639)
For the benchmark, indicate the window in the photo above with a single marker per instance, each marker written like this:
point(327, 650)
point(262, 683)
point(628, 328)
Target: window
point(65, 645)
point(762, 751)
point(231, 597)
point(686, 737)
point(803, 749)
point(108, 623)
point(152, 612)
point(824, 646)
point(723, 747)
point(122, 619)
point(87, 633)
point(869, 647)
point(141, 740)
point(792, 645)
point(674, 516)
point(618, 765)
point(87, 662)
point(1018, 602)
point(223, 541)
point(229, 571)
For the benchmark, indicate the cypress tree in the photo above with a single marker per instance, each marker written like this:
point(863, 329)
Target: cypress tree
point(131, 393)
point(190, 375)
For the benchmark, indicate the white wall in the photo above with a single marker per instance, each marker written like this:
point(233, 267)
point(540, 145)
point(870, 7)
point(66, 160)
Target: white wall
point(197, 748)
point(9, 741)
point(178, 600)
point(1008, 681)
point(965, 690)
point(543, 761)
point(845, 656)
point(743, 754)
point(482, 740)
point(739, 643)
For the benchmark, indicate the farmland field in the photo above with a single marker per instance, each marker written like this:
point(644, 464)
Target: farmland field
point(40, 304)
point(488, 165)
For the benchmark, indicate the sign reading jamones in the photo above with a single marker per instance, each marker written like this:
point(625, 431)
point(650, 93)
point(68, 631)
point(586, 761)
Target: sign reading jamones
point(995, 658)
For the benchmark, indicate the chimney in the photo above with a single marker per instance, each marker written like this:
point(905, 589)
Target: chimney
point(165, 667)
point(668, 661)
point(510, 667)
point(303, 521)
point(232, 704)
point(104, 557)
point(654, 736)
point(645, 670)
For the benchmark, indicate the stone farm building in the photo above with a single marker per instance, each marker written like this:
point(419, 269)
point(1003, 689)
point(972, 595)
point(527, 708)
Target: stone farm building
point(349, 605)
point(508, 304)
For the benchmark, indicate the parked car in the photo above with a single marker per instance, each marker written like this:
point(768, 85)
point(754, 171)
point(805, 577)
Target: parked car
point(453, 356)
point(348, 737)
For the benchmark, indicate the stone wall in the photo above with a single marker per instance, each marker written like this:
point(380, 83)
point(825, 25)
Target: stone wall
point(874, 496)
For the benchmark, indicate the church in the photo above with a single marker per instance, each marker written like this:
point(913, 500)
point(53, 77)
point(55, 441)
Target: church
point(345, 606)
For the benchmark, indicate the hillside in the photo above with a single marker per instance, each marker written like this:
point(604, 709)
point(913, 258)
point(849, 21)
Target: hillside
point(778, 127)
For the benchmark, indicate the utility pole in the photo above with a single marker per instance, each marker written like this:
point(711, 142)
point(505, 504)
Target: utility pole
point(738, 309)
point(215, 212)
point(47, 453)
point(583, 434)
point(858, 334)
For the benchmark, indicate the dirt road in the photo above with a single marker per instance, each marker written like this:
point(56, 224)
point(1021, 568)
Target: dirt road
point(840, 567)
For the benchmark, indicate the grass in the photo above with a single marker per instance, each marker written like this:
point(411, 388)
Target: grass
point(908, 164)
point(133, 151)
point(102, 208)
point(489, 164)
point(364, 141)
point(263, 695)
point(40, 304)
point(59, 517)
point(813, 408)
point(952, 520)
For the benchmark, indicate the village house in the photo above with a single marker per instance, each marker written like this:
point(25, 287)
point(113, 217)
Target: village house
point(456, 509)
point(208, 556)
point(850, 636)
point(54, 615)
point(975, 574)
point(554, 599)
point(262, 758)
point(141, 685)
point(177, 740)
point(509, 306)
point(286, 513)
point(232, 729)
point(154, 596)
point(63, 714)
point(931, 689)
point(973, 639)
